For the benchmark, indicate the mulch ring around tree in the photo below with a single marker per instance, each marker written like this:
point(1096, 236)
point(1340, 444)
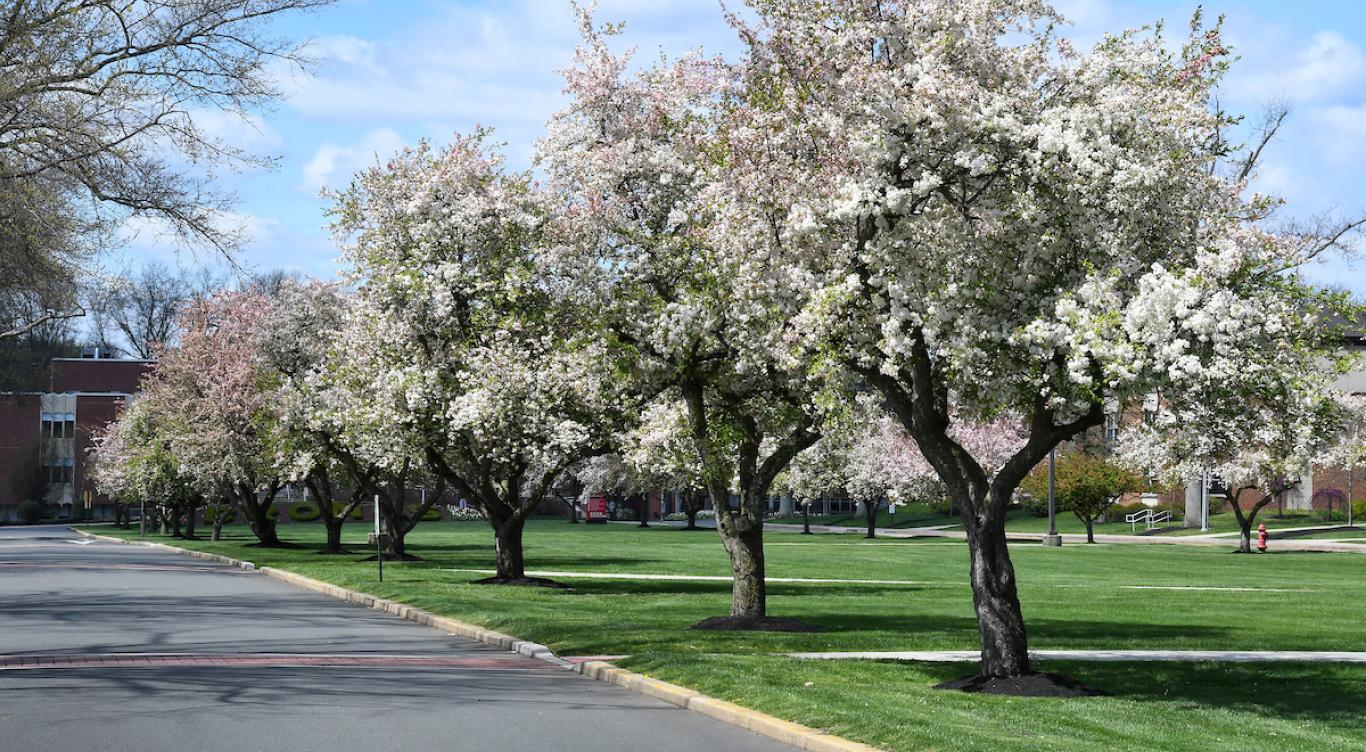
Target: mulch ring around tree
point(755, 624)
point(522, 582)
point(1029, 685)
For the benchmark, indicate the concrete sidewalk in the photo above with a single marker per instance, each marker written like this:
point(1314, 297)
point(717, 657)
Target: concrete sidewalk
point(1210, 656)
point(1177, 540)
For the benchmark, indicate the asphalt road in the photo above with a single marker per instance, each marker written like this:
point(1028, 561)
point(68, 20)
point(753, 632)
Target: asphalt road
point(107, 647)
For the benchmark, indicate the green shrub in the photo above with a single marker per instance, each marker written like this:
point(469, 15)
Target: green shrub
point(431, 515)
point(1359, 511)
point(304, 512)
point(1035, 505)
point(356, 514)
point(211, 513)
point(31, 512)
point(944, 505)
point(1117, 512)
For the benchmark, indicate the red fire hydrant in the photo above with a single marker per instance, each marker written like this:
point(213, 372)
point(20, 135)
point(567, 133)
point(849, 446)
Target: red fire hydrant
point(1261, 537)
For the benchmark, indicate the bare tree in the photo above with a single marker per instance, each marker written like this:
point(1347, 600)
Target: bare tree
point(98, 125)
point(145, 308)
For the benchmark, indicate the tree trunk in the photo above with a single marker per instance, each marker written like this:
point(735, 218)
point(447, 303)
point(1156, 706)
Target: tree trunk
point(1090, 530)
point(395, 524)
point(334, 531)
point(746, 549)
point(507, 541)
point(175, 516)
point(217, 533)
point(806, 518)
point(870, 515)
point(1000, 623)
point(191, 512)
point(1245, 538)
point(645, 510)
point(692, 518)
point(260, 517)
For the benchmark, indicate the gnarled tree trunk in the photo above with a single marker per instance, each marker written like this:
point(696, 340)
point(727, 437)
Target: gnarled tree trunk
point(745, 544)
point(260, 515)
point(507, 545)
point(1000, 623)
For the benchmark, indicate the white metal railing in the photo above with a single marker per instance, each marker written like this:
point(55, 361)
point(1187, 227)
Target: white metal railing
point(1149, 517)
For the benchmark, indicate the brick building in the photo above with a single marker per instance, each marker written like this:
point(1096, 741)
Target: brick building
point(53, 430)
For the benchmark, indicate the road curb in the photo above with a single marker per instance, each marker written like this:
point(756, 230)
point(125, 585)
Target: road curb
point(797, 735)
point(787, 732)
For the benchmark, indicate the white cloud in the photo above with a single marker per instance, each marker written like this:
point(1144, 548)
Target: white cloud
point(333, 164)
point(492, 64)
point(248, 133)
point(1328, 66)
point(1341, 132)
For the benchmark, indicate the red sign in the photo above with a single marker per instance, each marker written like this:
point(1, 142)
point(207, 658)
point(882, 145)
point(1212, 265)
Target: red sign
point(595, 509)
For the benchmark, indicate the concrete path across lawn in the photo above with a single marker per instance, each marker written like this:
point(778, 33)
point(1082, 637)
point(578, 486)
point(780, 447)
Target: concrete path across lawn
point(1214, 656)
point(699, 577)
point(655, 577)
point(1277, 544)
point(121, 648)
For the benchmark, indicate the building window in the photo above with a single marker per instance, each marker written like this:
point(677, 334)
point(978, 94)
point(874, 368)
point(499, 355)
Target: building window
point(62, 470)
point(58, 426)
point(1111, 428)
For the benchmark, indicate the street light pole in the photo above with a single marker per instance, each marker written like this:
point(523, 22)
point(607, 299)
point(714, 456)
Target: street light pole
point(1052, 539)
point(1204, 500)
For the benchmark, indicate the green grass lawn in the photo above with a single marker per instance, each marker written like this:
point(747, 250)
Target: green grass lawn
point(1342, 532)
point(920, 515)
point(1074, 597)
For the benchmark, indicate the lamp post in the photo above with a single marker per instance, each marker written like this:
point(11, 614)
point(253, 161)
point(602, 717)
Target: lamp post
point(1052, 538)
point(1204, 501)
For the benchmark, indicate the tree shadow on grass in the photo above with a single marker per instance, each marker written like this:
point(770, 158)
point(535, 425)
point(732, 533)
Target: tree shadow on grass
point(697, 587)
point(483, 559)
point(1293, 691)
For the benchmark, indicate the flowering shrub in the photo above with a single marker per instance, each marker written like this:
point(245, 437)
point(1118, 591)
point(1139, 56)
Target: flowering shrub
point(467, 514)
point(705, 514)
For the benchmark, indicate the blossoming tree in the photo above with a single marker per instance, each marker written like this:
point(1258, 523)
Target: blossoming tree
point(218, 410)
point(995, 223)
point(132, 463)
point(655, 454)
point(686, 279)
point(1259, 429)
point(463, 356)
point(294, 339)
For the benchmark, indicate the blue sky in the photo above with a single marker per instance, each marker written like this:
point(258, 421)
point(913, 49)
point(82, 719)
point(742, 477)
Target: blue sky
point(392, 71)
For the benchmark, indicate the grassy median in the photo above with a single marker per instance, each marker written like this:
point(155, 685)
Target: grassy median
point(916, 597)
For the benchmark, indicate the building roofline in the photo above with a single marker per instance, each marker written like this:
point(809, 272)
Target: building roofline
point(73, 394)
point(102, 360)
